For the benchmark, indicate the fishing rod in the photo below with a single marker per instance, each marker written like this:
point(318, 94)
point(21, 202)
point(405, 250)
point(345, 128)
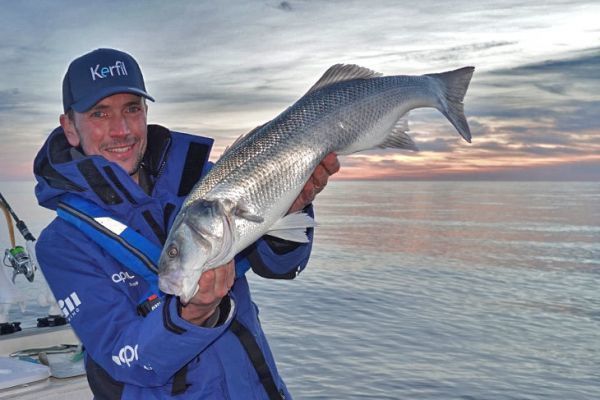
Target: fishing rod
point(16, 257)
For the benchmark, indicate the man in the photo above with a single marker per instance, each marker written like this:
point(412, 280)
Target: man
point(104, 163)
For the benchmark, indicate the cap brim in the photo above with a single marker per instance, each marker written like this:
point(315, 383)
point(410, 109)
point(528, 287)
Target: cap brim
point(85, 104)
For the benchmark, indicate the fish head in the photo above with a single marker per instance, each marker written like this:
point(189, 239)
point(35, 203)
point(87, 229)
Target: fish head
point(200, 239)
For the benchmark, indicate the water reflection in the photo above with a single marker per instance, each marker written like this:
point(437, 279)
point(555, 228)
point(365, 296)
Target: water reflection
point(480, 223)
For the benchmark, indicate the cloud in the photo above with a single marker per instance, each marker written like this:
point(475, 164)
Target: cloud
point(552, 102)
point(581, 65)
point(436, 145)
point(225, 67)
point(553, 88)
point(9, 100)
point(555, 81)
point(285, 6)
point(442, 54)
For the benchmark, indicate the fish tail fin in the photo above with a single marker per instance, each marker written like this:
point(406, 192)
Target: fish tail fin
point(454, 85)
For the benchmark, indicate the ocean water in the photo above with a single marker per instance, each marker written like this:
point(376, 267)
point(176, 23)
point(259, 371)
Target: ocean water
point(432, 290)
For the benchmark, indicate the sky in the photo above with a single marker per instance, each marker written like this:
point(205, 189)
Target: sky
point(221, 68)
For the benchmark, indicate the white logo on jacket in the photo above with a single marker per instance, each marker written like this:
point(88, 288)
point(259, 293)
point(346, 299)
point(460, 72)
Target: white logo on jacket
point(122, 277)
point(70, 305)
point(126, 355)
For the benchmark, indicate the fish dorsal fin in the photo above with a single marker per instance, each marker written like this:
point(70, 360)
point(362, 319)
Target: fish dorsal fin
point(236, 142)
point(398, 138)
point(240, 139)
point(341, 73)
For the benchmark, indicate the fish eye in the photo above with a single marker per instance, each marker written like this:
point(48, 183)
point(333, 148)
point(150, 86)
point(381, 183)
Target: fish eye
point(172, 251)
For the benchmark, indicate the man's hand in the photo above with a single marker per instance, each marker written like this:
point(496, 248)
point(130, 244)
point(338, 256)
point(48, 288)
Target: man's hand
point(317, 182)
point(212, 287)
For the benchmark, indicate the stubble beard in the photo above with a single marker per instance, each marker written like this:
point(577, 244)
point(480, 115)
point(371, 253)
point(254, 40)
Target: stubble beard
point(137, 165)
point(138, 162)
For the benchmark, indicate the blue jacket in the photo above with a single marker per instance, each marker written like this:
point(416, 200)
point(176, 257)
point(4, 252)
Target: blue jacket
point(130, 356)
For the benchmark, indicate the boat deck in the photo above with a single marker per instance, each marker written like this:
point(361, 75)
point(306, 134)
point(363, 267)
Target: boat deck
point(51, 388)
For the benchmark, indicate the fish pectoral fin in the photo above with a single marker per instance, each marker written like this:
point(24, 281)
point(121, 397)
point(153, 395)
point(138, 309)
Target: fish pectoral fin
point(343, 72)
point(398, 138)
point(293, 227)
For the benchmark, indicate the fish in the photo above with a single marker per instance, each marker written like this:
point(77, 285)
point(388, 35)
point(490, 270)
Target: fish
point(251, 187)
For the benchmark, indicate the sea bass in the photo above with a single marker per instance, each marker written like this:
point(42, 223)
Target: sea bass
point(251, 187)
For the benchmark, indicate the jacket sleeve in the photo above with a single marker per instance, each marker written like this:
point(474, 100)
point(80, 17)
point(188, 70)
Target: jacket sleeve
point(145, 351)
point(276, 258)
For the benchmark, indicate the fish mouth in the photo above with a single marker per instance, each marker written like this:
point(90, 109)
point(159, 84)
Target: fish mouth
point(200, 249)
point(173, 286)
point(167, 284)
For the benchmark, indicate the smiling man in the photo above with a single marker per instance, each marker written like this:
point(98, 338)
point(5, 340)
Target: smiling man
point(117, 184)
point(116, 130)
point(114, 118)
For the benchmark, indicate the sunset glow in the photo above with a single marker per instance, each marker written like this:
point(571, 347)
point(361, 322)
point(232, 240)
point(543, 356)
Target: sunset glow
point(224, 69)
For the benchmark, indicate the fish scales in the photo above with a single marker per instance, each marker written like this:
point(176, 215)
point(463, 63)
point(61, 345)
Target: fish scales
point(251, 187)
point(273, 148)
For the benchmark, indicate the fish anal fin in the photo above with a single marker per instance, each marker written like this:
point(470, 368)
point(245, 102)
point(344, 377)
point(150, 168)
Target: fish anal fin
point(341, 73)
point(398, 138)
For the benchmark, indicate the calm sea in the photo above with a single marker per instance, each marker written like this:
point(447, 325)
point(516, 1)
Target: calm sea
point(431, 290)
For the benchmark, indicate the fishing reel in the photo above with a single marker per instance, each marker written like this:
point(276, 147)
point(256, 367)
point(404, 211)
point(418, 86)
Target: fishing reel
point(18, 259)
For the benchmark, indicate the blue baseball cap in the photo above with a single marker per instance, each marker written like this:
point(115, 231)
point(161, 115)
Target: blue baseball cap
point(98, 74)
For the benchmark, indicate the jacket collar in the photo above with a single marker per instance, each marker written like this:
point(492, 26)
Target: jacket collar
point(59, 169)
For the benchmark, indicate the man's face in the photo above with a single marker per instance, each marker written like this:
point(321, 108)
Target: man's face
point(114, 128)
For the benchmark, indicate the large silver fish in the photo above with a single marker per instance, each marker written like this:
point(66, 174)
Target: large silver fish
point(251, 187)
